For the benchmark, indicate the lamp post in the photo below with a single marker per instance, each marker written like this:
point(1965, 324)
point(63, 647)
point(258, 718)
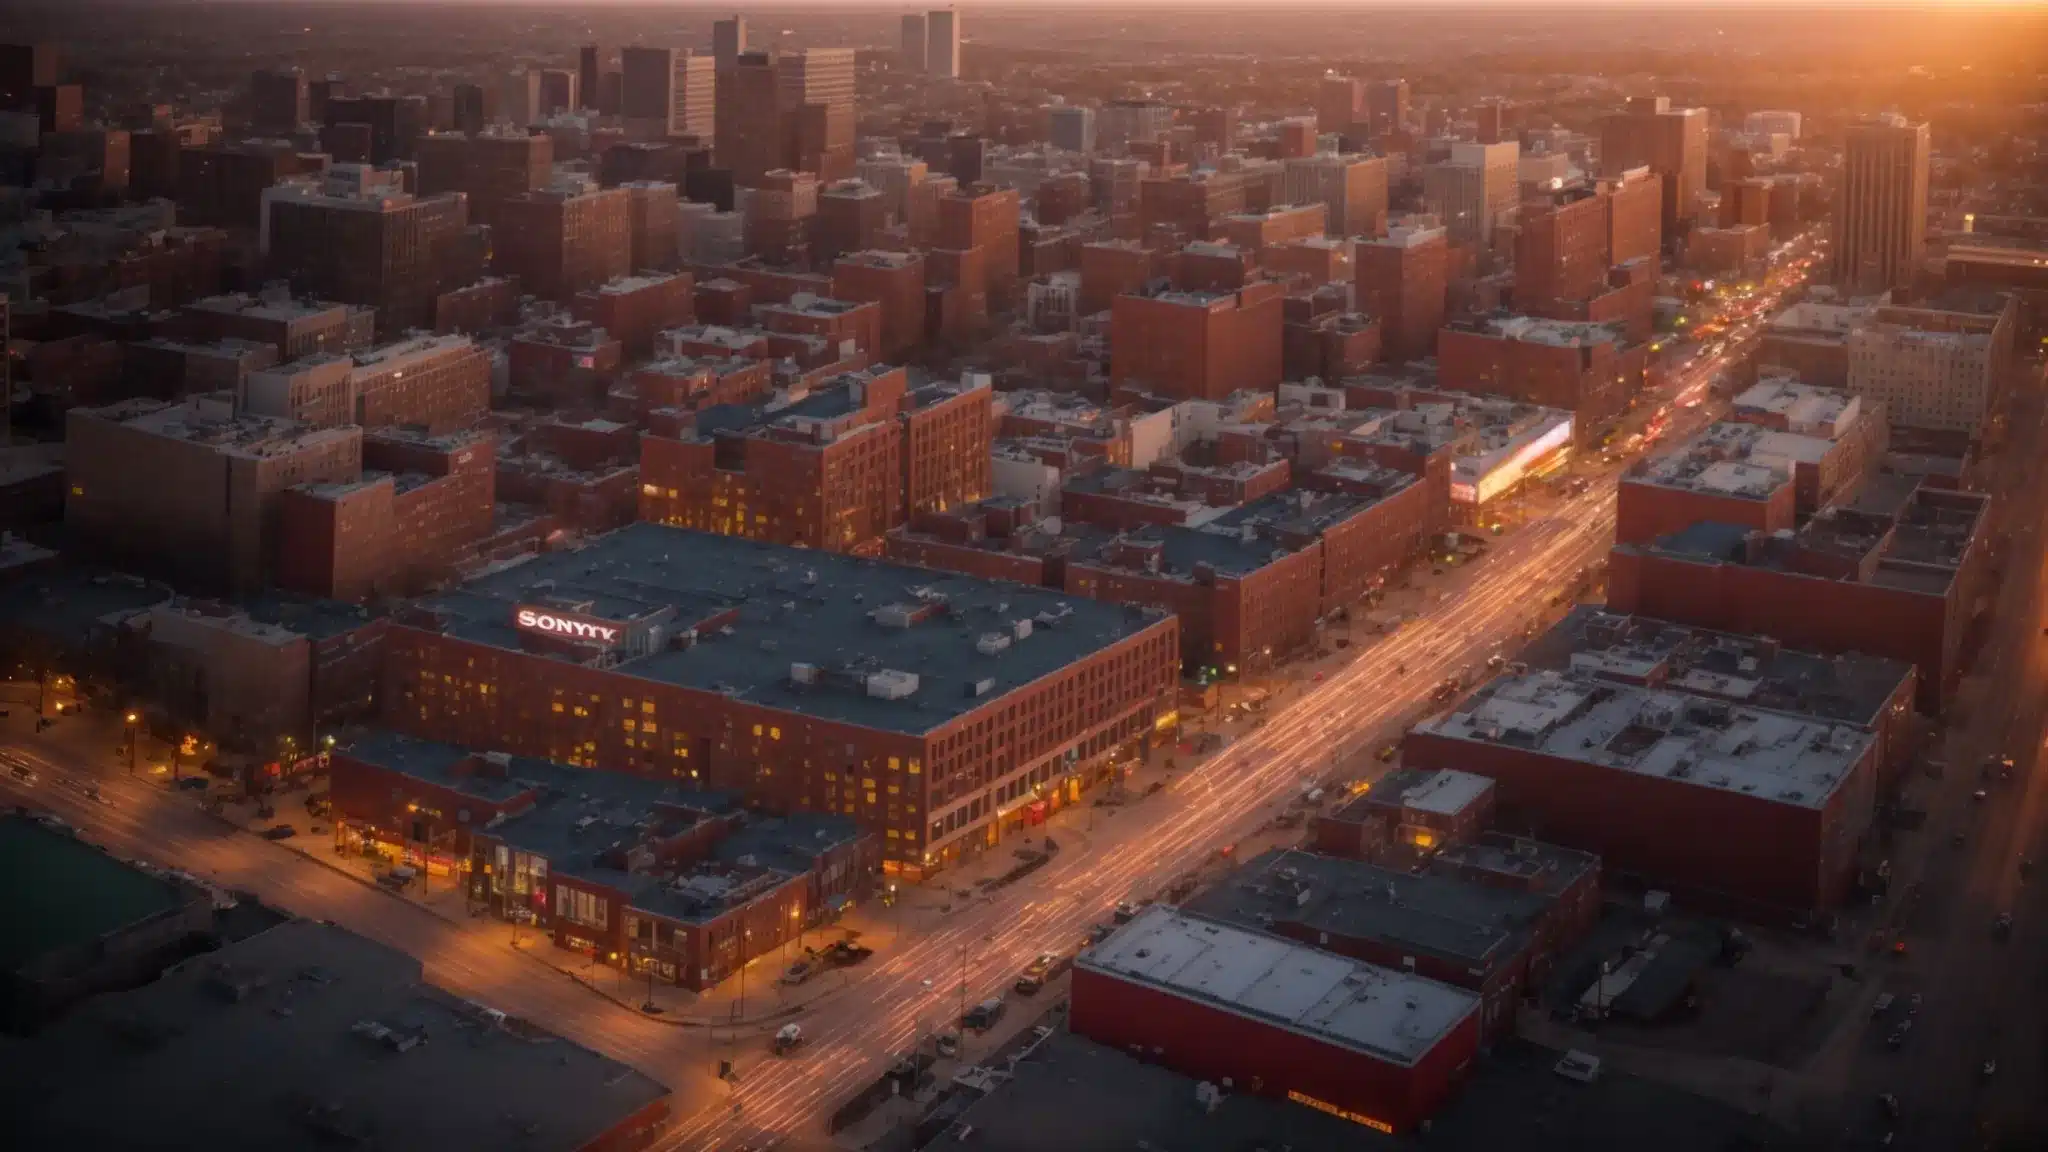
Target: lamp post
point(133, 741)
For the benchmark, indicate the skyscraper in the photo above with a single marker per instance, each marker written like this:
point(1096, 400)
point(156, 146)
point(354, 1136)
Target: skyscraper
point(816, 98)
point(357, 237)
point(277, 101)
point(1386, 106)
point(667, 92)
point(1472, 189)
point(942, 44)
point(1672, 142)
point(1072, 127)
point(1881, 211)
point(913, 41)
point(728, 40)
point(1340, 103)
point(589, 73)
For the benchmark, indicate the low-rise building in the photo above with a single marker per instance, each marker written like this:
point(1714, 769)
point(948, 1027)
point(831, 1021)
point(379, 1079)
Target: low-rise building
point(1410, 809)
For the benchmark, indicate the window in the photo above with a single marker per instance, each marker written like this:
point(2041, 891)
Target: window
point(580, 907)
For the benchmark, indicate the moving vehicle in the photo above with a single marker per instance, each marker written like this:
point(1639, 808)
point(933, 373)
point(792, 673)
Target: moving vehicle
point(1039, 971)
point(280, 832)
point(23, 773)
point(788, 1039)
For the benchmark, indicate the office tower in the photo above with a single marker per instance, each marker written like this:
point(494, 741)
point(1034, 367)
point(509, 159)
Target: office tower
point(942, 44)
point(751, 137)
point(25, 68)
point(277, 101)
point(222, 185)
point(1771, 123)
point(1635, 216)
point(1471, 190)
point(1072, 127)
point(1491, 121)
point(357, 237)
point(1386, 106)
point(558, 92)
point(1352, 189)
point(472, 108)
point(1880, 226)
point(817, 97)
point(654, 222)
point(728, 40)
point(521, 100)
point(394, 122)
point(589, 73)
point(913, 41)
point(566, 237)
point(1672, 142)
point(693, 106)
point(488, 167)
point(1122, 123)
point(1218, 126)
point(1402, 279)
point(1297, 138)
point(667, 92)
point(1340, 103)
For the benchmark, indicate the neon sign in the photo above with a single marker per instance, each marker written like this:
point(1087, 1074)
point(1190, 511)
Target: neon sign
point(567, 627)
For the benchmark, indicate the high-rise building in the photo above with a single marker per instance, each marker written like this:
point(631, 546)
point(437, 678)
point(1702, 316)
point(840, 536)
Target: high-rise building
point(1340, 103)
point(394, 122)
point(521, 101)
point(728, 40)
point(1473, 188)
point(25, 68)
point(667, 92)
point(1072, 127)
point(277, 101)
point(1880, 227)
point(1352, 189)
point(817, 98)
point(558, 92)
point(1402, 279)
point(942, 44)
point(913, 41)
point(589, 73)
point(489, 167)
point(356, 236)
point(472, 108)
point(1122, 123)
point(1635, 216)
point(1672, 142)
point(566, 237)
point(1386, 106)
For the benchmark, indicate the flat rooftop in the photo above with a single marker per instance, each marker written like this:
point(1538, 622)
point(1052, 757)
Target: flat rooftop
point(1850, 688)
point(1731, 459)
point(319, 1037)
point(201, 420)
point(1455, 920)
point(1543, 868)
point(1535, 330)
point(1075, 1095)
point(72, 893)
point(1438, 791)
point(1391, 1016)
point(1803, 407)
point(888, 646)
point(1683, 737)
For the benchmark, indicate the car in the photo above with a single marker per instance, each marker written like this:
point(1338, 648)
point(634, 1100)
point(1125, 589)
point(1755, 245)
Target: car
point(845, 953)
point(1978, 795)
point(1040, 970)
point(94, 794)
point(192, 784)
point(983, 1016)
point(1387, 754)
point(280, 832)
point(22, 773)
point(1989, 1069)
point(1889, 1103)
point(948, 1043)
point(1098, 933)
point(1883, 1004)
point(1125, 912)
point(798, 972)
point(2002, 927)
point(788, 1039)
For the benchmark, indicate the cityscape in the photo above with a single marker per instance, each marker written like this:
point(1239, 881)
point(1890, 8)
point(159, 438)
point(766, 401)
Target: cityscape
point(839, 576)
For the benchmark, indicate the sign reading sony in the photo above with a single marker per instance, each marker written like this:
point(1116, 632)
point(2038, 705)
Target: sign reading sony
point(568, 627)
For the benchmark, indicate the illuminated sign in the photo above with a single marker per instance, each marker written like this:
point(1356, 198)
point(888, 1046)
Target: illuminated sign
point(1332, 1109)
point(565, 626)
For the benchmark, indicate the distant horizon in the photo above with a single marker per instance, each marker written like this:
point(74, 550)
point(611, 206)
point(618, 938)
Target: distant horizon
point(971, 6)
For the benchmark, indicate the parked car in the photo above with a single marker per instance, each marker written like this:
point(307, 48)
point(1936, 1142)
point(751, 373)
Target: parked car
point(1047, 966)
point(1125, 912)
point(845, 953)
point(192, 783)
point(280, 832)
point(983, 1016)
point(948, 1043)
point(798, 972)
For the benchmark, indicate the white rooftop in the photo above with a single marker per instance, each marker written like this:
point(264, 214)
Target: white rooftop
point(1733, 459)
point(1392, 1016)
point(1699, 740)
point(1804, 408)
point(1446, 792)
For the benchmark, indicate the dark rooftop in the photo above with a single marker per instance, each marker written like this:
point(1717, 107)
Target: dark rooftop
point(70, 893)
point(1851, 688)
point(837, 637)
point(304, 1036)
point(1075, 1095)
point(71, 606)
point(1458, 921)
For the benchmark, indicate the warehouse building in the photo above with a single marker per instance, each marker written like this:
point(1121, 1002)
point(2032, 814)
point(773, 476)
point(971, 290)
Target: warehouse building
point(1380, 1047)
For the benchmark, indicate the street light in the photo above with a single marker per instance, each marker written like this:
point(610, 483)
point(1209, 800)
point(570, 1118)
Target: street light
point(133, 742)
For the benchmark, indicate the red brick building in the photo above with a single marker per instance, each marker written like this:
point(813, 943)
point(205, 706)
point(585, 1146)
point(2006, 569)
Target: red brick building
point(565, 238)
point(1110, 269)
point(633, 309)
point(1402, 280)
point(1151, 987)
point(936, 761)
point(1195, 345)
point(440, 383)
point(563, 362)
point(1407, 809)
point(895, 281)
point(490, 168)
point(1590, 370)
point(985, 217)
point(422, 502)
point(849, 328)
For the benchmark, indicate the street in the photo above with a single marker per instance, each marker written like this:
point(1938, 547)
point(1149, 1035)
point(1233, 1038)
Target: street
point(941, 959)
